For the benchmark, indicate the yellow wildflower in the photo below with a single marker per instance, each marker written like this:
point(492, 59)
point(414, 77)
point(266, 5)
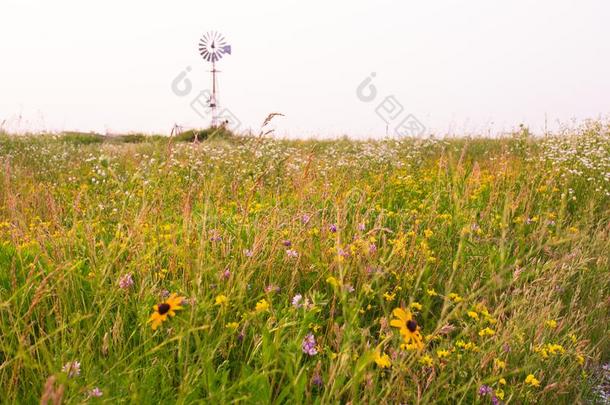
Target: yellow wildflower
point(555, 349)
point(454, 297)
point(332, 281)
point(487, 332)
point(382, 359)
point(221, 299)
point(499, 364)
point(262, 306)
point(551, 323)
point(389, 296)
point(416, 306)
point(532, 380)
point(473, 315)
point(499, 393)
point(426, 361)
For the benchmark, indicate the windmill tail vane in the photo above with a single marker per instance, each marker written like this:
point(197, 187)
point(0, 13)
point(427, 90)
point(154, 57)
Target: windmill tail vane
point(212, 47)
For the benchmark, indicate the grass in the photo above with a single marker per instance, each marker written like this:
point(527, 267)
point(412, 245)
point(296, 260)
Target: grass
point(499, 248)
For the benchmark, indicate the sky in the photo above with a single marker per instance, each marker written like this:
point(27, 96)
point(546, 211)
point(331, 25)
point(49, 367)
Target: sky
point(438, 67)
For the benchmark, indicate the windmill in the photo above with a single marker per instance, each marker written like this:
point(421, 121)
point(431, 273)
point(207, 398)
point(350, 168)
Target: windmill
point(212, 47)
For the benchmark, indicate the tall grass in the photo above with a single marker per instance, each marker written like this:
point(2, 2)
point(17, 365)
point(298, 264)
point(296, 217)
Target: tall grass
point(498, 247)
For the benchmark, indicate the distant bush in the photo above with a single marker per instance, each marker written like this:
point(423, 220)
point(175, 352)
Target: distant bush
point(203, 134)
point(136, 138)
point(82, 138)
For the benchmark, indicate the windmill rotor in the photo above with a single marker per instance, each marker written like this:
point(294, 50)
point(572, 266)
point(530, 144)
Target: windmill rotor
point(212, 46)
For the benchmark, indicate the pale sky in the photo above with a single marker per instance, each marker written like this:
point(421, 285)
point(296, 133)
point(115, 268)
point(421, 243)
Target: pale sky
point(473, 66)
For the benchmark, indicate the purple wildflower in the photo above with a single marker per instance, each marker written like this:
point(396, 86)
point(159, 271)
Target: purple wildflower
point(305, 218)
point(249, 253)
point(287, 243)
point(361, 227)
point(126, 281)
point(332, 228)
point(272, 288)
point(71, 368)
point(349, 288)
point(496, 401)
point(226, 274)
point(485, 390)
point(296, 301)
point(309, 345)
point(95, 393)
point(317, 379)
point(292, 253)
point(215, 236)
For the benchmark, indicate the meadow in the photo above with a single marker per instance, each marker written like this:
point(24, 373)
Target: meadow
point(253, 270)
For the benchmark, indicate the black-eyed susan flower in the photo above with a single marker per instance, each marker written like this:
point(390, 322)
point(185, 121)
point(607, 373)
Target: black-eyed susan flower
point(409, 329)
point(165, 309)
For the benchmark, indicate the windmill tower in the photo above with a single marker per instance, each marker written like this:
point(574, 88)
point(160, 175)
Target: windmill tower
point(212, 47)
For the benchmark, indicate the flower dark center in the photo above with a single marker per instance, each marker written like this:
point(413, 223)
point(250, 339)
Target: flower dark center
point(412, 325)
point(163, 308)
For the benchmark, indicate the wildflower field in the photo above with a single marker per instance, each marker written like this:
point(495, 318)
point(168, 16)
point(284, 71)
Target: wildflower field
point(251, 270)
